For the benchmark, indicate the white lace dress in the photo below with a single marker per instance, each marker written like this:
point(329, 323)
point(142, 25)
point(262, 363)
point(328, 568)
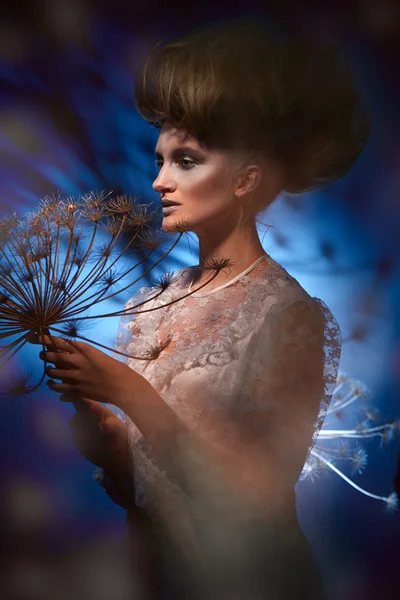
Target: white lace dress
point(253, 359)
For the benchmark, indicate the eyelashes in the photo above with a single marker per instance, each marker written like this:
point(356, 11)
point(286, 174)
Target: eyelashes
point(186, 167)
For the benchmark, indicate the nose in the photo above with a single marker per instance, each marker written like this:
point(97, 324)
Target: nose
point(163, 182)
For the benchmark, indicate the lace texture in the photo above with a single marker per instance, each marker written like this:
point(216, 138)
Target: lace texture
point(257, 358)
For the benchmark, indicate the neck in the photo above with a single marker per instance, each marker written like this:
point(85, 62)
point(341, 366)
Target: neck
point(241, 246)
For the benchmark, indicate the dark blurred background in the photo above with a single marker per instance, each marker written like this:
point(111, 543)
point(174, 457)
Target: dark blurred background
point(68, 123)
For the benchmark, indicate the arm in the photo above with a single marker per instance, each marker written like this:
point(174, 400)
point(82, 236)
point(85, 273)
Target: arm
point(262, 459)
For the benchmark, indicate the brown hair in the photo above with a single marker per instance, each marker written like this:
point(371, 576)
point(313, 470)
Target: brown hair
point(243, 87)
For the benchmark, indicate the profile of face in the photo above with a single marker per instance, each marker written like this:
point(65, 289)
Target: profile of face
point(200, 180)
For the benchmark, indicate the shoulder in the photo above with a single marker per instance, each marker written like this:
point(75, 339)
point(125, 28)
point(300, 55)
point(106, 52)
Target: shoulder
point(303, 329)
point(290, 298)
point(291, 312)
point(297, 323)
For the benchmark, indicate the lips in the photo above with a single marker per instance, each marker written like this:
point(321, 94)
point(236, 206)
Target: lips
point(169, 203)
point(166, 202)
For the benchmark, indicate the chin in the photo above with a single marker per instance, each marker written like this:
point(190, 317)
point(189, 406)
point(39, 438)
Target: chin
point(169, 223)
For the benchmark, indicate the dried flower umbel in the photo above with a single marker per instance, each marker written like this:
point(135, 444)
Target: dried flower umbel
point(54, 268)
point(333, 445)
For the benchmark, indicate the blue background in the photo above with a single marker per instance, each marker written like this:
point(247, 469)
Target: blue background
point(68, 123)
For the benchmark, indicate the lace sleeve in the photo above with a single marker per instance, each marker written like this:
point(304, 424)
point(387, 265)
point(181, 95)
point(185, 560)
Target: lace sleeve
point(332, 347)
point(291, 372)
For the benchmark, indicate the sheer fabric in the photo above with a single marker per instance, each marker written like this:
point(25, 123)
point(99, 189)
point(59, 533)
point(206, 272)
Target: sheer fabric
point(249, 365)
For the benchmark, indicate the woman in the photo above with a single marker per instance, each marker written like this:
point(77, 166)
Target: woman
point(206, 431)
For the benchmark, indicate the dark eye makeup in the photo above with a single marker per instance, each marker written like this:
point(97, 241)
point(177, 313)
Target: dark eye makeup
point(187, 163)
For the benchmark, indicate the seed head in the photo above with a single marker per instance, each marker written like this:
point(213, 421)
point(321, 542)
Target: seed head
point(359, 460)
point(121, 205)
point(20, 387)
point(392, 502)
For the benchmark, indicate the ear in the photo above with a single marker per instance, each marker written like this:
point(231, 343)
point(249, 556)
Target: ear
point(248, 179)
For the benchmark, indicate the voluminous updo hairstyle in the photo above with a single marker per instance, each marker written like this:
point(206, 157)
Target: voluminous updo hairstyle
point(246, 88)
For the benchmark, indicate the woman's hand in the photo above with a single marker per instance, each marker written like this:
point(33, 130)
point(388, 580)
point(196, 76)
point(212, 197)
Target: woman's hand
point(103, 439)
point(98, 434)
point(87, 372)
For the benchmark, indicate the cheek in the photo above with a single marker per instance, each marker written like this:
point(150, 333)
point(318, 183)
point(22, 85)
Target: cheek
point(208, 185)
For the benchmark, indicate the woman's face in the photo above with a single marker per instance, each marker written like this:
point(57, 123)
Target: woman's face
point(199, 180)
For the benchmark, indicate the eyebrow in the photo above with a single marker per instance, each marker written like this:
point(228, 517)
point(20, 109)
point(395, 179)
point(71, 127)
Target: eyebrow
point(179, 150)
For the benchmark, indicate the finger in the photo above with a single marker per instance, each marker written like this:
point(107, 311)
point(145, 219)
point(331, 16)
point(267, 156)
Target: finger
point(65, 375)
point(73, 398)
point(85, 405)
point(82, 405)
point(56, 343)
point(60, 388)
point(60, 359)
point(37, 338)
point(32, 338)
point(91, 408)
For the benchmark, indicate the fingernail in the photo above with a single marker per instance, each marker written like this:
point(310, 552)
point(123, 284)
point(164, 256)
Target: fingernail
point(33, 338)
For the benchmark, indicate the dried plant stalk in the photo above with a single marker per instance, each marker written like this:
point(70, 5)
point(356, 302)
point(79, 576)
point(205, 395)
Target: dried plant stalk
point(53, 268)
point(333, 446)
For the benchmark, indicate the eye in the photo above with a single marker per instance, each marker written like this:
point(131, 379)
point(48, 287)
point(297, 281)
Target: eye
point(189, 163)
point(186, 163)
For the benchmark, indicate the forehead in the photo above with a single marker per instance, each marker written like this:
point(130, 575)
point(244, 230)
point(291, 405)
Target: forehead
point(172, 136)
